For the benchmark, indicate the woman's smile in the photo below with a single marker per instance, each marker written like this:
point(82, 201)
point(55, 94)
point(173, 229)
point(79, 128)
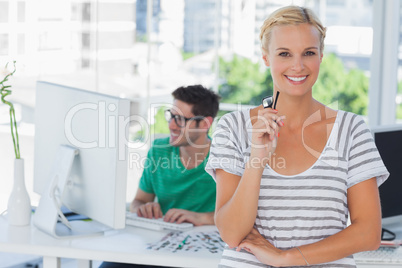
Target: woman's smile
point(296, 78)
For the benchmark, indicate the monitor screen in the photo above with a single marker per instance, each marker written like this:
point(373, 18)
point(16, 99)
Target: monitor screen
point(388, 140)
point(96, 125)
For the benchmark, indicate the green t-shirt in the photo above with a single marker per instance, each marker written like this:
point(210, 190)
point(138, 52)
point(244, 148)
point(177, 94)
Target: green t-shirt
point(175, 186)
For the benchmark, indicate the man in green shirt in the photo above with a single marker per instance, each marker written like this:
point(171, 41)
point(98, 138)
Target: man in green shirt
point(174, 170)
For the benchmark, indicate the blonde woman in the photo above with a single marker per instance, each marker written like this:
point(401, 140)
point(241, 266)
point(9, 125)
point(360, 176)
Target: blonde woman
point(287, 178)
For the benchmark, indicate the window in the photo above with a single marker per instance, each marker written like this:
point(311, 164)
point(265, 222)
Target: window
point(3, 44)
point(104, 46)
point(3, 11)
point(21, 44)
point(386, 63)
point(21, 11)
point(335, 3)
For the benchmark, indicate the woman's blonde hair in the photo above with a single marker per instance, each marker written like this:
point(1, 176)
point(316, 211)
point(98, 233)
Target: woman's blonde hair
point(290, 15)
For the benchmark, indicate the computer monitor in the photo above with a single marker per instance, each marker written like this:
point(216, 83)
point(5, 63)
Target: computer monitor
point(388, 140)
point(95, 126)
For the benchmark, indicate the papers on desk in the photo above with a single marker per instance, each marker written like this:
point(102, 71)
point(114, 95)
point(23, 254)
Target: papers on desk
point(190, 241)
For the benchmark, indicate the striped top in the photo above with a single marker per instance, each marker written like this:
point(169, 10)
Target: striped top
point(307, 207)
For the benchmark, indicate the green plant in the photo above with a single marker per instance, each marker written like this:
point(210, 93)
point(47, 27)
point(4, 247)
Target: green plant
point(4, 92)
point(243, 81)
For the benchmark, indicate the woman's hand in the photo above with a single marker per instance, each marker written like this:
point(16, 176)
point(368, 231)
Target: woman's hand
point(264, 135)
point(264, 251)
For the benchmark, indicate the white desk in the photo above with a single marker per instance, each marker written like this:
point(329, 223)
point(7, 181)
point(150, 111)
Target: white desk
point(128, 245)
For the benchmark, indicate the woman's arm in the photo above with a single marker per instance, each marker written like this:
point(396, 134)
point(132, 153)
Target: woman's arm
point(237, 197)
point(236, 204)
point(364, 233)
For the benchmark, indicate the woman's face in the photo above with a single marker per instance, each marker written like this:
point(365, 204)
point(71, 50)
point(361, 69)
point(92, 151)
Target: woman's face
point(294, 57)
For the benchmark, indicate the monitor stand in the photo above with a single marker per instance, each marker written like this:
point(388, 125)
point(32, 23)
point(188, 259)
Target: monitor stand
point(48, 216)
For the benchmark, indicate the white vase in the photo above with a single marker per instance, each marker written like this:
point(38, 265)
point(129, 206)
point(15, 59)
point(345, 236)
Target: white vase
point(19, 204)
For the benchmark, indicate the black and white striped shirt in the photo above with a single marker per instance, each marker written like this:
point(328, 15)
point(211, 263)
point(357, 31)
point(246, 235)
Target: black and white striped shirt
point(307, 207)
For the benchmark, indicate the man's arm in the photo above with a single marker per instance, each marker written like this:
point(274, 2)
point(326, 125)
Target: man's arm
point(196, 218)
point(144, 205)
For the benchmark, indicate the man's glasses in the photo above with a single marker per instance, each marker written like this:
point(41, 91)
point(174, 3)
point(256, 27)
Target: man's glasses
point(180, 120)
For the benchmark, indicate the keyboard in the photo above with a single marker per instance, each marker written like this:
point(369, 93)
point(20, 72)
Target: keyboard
point(156, 224)
point(383, 255)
